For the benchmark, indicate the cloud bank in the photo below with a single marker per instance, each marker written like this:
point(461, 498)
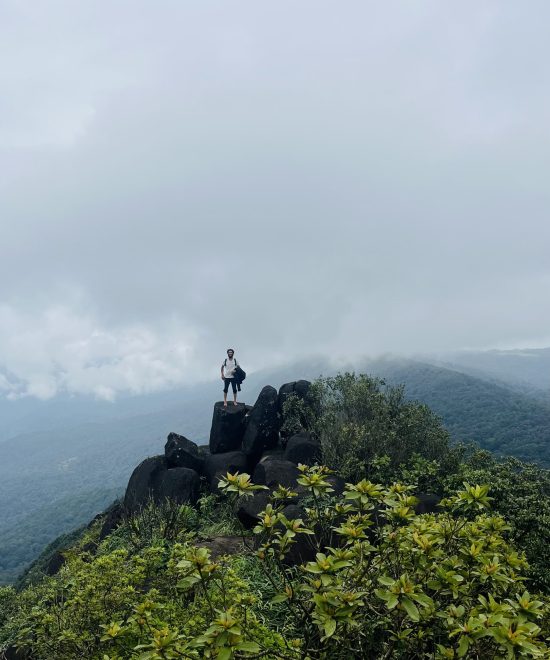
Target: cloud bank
point(288, 179)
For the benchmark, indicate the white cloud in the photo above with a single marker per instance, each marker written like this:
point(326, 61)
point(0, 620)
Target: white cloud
point(283, 178)
point(60, 349)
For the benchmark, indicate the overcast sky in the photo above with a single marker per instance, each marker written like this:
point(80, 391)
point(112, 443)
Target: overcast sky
point(286, 178)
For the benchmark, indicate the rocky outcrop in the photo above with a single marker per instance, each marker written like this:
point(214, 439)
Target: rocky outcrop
point(228, 427)
point(299, 388)
point(144, 482)
point(217, 465)
point(302, 549)
point(15, 653)
point(262, 429)
point(57, 561)
point(179, 484)
point(275, 472)
point(154, 479)
point(302, 448)
point(242, 439)
point(182, 453)
point(249, 508)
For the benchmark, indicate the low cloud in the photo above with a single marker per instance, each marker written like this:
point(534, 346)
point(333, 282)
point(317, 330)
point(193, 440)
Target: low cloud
point(288, 180)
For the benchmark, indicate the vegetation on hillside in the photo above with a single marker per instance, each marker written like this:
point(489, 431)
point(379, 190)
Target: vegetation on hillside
point(373, 579)
point(52, 481)
point(445, 585)
point(475, 410)
point(370, 429)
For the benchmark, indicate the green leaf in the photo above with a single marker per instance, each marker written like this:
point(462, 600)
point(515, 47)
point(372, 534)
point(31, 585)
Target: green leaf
point(225, 653)
point(279, 598)
point(249, 647)
point(411, 609)
point(330, 627)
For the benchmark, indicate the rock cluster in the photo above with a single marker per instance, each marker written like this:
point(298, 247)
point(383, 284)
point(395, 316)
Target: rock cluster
point(242, 438)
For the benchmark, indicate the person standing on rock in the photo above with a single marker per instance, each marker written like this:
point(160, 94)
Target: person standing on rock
point(228, 376)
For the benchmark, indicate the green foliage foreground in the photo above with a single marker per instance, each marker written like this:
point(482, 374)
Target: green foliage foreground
point(445, 585)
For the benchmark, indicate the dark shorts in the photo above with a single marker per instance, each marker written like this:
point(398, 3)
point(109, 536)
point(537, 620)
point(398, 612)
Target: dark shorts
point(233, 385)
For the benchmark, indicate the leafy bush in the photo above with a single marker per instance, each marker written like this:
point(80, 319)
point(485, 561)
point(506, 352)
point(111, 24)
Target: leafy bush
point(376, 581)
point(446, 585)
point(521, 493)
point(359, 419)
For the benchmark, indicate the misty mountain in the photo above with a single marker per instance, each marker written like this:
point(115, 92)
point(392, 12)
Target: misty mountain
point(526, 369)
point(475, 410)
point(75, 455)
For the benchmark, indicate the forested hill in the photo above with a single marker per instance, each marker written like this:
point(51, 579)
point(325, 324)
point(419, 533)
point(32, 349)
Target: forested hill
point(473, 409)
point(56, 479)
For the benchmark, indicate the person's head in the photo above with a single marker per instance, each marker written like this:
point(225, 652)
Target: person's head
point(230, 353)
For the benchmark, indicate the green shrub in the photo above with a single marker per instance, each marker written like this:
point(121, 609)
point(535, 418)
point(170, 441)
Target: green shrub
point(359, 419)
point(445, 586)
point(521, 493)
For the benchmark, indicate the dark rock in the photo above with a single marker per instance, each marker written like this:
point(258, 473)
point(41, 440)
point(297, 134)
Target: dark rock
point(57, 560)
point(272, 472)
point(228, 426)
point(427, 503)
point(249, 508)
point(262, 429)
point(299, 387)
point(337, 483)
point(181, 452)
point(179, 484)
point(217, 465)
point(89, 547)
point(113, 517)
point(144, 482)
point(273, 454)
point(222, 545)
point(302, 448)
point(302, 549)
point(14, 653)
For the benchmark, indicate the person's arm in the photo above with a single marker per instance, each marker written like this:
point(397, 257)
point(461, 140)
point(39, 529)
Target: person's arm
point(222, 371)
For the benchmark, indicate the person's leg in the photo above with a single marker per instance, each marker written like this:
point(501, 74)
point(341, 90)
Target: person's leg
point(234, 386)
point(225, 389)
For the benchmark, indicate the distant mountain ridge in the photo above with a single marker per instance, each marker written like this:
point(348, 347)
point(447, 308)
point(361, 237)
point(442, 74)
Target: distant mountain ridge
point(527, 369)
point(475, 410)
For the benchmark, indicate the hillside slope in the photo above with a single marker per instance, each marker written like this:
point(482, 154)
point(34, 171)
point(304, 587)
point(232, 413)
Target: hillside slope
point(497, 418)
point(56, 479)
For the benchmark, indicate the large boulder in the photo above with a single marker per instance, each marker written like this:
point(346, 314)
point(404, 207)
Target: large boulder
point(179, 484)
point(56, 562)
point(228, 426)
point(217, 465)
point(273, 472)
point(144, 482)
point(300, 388)
point(302, 448)
point(181, 452)
point(302, 550)
point(262, 429)
point(427, 503)
point(338, 485)
point(249, 508)
point(13, 652)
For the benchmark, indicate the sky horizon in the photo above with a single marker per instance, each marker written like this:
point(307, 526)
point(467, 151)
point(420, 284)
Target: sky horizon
point(290, 180)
